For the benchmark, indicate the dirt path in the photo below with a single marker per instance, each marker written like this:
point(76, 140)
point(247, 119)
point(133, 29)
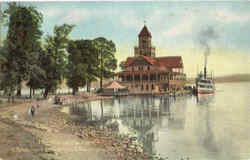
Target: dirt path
point(54, 135)
point(47, 130)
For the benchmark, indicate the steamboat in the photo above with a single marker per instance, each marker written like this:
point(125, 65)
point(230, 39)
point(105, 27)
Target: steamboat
point(205, 82)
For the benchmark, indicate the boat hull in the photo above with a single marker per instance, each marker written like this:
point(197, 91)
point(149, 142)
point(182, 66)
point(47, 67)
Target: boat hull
point(205, 86)
point(205, 92)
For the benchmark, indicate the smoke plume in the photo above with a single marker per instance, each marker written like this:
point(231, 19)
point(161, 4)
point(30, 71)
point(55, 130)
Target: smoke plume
point(205, 37)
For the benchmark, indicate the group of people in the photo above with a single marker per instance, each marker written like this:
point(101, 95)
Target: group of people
point(32, 110)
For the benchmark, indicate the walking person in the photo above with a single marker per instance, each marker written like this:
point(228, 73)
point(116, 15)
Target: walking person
point(30, 113)
point(33, 110)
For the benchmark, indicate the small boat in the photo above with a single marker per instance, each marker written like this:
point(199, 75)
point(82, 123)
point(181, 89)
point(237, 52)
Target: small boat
point(205, 82)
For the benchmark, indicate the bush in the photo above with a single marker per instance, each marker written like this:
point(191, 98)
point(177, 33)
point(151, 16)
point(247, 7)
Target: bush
point(100, 90)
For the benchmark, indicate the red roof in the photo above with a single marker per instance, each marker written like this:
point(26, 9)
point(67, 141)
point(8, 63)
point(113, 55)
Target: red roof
point(130, 60)
point(149, 59)
point(145, 32)
point(169, 62)
point(140, 72)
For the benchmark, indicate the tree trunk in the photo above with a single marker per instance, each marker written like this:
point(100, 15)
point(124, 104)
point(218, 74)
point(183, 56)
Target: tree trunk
point(19, 89)
point(9, 97)
point(101, 82)
point(33, 92)
point(88, 86)
point(13, 98)
point(30, 92)
point(75, 90)
point(46, 93)
point(101, 70)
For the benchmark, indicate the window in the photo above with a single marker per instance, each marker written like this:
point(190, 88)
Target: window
point(205, 81)
point(144, 43)
point(148, 68)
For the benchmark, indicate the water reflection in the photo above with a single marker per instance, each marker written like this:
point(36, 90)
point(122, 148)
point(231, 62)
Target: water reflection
point(142, 116)
point(207, 127)
point(146, 117)
point(206, 137)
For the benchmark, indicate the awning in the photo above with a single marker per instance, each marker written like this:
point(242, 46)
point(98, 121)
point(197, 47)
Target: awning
point(115, 85)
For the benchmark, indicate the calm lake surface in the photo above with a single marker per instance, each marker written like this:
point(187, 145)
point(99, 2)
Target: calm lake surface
point(209, 128)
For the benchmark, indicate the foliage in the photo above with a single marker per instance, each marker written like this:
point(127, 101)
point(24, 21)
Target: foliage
point(82, 63)
point(106, 57)
point(24, 58)
point(23, 39)
point(37, 74)
point(122, 65)
point(55, 58)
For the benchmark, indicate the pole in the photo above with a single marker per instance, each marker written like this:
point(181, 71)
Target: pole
point(1, 19)
point(101, 78)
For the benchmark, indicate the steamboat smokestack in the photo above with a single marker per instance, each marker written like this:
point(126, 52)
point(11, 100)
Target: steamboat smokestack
point(205, 72)
point(207, 52)
point(205, 64)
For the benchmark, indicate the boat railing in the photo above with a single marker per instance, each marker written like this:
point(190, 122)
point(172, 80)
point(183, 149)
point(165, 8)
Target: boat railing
point(208, 76)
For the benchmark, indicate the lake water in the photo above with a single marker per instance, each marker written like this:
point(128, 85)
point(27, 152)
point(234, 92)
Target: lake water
point(209, 128)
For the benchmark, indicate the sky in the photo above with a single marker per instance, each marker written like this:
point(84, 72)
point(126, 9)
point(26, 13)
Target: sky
point(176, 28)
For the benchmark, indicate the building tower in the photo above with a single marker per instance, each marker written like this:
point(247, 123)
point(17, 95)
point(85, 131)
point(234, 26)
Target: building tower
point(145, 44)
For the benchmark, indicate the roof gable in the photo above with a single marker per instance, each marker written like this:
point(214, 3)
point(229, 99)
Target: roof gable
point(170, 62)
point(140, 59)
point(145, 32)
point(166, 62)
point(115, 85)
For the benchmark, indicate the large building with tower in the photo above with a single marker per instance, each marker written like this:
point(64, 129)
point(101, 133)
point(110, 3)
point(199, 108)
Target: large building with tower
point(146, 73)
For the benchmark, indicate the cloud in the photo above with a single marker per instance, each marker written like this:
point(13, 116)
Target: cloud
point(49, 12)
point(76, 16)
point(129, 19)
point(188, 23)
point(157, 17)
point(184, 27)
point(227, 16)
point(67, 15)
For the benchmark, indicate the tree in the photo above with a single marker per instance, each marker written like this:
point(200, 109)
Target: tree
point(122, 65)
point(37, 74)
point(106, 57)
point(82, 64)
point(23, 36)
point(8, 75)
point(55, 58)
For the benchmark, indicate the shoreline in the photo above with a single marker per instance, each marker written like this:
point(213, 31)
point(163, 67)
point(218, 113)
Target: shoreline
point(55, 135)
